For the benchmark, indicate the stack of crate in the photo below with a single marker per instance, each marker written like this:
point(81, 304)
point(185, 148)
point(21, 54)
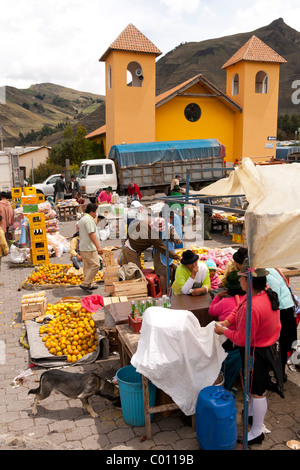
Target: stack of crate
point(16, 195)
point(37, 227)
point(38, 237)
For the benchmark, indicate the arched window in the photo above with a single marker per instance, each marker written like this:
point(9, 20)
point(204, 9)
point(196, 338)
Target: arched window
point(261, 82)
point(134, 74)
point(235, 84)
point(109, 77)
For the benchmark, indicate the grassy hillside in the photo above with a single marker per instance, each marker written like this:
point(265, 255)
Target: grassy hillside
point(41, 105)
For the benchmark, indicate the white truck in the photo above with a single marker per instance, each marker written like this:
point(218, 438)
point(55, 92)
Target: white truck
point(95, 175)
point(9, 171)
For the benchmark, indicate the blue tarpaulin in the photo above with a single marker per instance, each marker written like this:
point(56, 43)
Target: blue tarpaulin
point(282, 152)
point(153, 152)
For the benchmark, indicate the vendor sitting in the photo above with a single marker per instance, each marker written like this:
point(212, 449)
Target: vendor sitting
point(105, 197)
point(74, 251)
point(235, 264)
point(192, 276)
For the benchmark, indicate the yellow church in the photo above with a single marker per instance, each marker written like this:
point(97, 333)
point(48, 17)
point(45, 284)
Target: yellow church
point(244, 119)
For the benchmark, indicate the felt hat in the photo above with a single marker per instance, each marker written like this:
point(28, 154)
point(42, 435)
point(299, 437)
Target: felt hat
point(257, 272)
point(188, 257)
point(240, 255)
point(232, 281)
point(109, 188)
point(211, 264)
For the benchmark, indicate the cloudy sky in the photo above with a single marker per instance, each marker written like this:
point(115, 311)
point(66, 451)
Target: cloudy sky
point(61, 41)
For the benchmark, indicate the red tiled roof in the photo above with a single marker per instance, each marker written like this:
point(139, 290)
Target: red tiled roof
point(96, 132)
point(131, 39)
point(212, 89)
point(254, 50)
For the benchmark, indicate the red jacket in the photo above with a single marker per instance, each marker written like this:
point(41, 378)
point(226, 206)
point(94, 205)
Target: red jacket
point(134, 189)
point(265, 322)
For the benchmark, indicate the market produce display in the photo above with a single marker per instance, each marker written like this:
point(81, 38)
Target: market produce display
point(218, 255)
point(230, 218)
point(57, 275)
point(71, 332)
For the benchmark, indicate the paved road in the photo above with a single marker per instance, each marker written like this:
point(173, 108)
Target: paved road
point(62, 423)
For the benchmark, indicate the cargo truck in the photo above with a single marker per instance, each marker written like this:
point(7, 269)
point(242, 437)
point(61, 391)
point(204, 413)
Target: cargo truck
point(153, 165)
point(9, 171)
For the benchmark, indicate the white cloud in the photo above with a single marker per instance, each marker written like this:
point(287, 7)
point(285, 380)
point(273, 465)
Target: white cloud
point(181, 6)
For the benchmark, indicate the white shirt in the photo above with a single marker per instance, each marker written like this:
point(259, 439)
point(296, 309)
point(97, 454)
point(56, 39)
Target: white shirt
point(199, 278)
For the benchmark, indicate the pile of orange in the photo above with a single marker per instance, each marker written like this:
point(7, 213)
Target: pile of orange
point(56, 275)
point(70, 333)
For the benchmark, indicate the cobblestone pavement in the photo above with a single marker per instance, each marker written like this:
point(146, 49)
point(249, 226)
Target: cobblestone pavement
point(62, 423)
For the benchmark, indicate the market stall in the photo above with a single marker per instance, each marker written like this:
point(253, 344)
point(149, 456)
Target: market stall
point(272, 229)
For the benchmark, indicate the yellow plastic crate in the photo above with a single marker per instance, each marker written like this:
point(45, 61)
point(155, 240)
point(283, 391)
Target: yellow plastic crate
point(29, 191)
point(41, 258)
point(39, 246)
point(36, 220)
point(16, 193)
point(29, 199)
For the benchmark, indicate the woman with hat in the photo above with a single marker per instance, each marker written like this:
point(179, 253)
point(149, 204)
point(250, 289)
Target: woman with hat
point(192, 276)
point(265, 331)
point(236, 263)
point(226, 301)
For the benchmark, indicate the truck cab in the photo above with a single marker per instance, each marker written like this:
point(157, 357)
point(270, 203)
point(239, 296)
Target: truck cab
point(95, 175)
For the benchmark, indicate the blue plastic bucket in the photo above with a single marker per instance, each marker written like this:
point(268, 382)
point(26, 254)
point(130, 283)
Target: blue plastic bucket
point(216, 425)
point(131, 395)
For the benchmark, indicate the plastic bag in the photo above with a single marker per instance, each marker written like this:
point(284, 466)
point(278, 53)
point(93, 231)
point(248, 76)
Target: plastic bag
point(17, 255)
point(104, 233)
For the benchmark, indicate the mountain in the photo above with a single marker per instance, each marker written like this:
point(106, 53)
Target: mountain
point(207, 57)
point(46, 104)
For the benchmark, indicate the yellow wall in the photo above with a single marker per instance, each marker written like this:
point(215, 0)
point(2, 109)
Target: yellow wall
point(260, 110)
point(130, 111)
point(216, 121)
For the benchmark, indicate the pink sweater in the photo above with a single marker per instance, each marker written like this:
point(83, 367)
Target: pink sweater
point(221, 307)
point(265, 323)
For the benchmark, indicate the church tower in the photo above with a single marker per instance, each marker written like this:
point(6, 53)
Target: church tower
point(252, 81)
point(130, 88)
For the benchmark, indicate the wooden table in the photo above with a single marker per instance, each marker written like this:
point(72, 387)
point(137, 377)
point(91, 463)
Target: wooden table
point(128, 342)
point(66, 212)
point(198, 305)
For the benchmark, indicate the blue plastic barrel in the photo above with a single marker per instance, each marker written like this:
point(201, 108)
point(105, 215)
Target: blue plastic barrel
point(131, 395)
point(216, 425)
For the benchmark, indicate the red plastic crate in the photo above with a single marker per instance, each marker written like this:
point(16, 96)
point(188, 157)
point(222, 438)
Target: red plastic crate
point(134, 325)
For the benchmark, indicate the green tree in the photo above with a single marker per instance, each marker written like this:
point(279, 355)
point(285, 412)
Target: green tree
point(68, 132)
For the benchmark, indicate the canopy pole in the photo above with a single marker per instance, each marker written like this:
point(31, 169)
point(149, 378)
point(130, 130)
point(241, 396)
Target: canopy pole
point(248, 364)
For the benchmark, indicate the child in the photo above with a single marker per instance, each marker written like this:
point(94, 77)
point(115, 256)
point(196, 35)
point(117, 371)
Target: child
point(214, 278)
point(3, 243)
